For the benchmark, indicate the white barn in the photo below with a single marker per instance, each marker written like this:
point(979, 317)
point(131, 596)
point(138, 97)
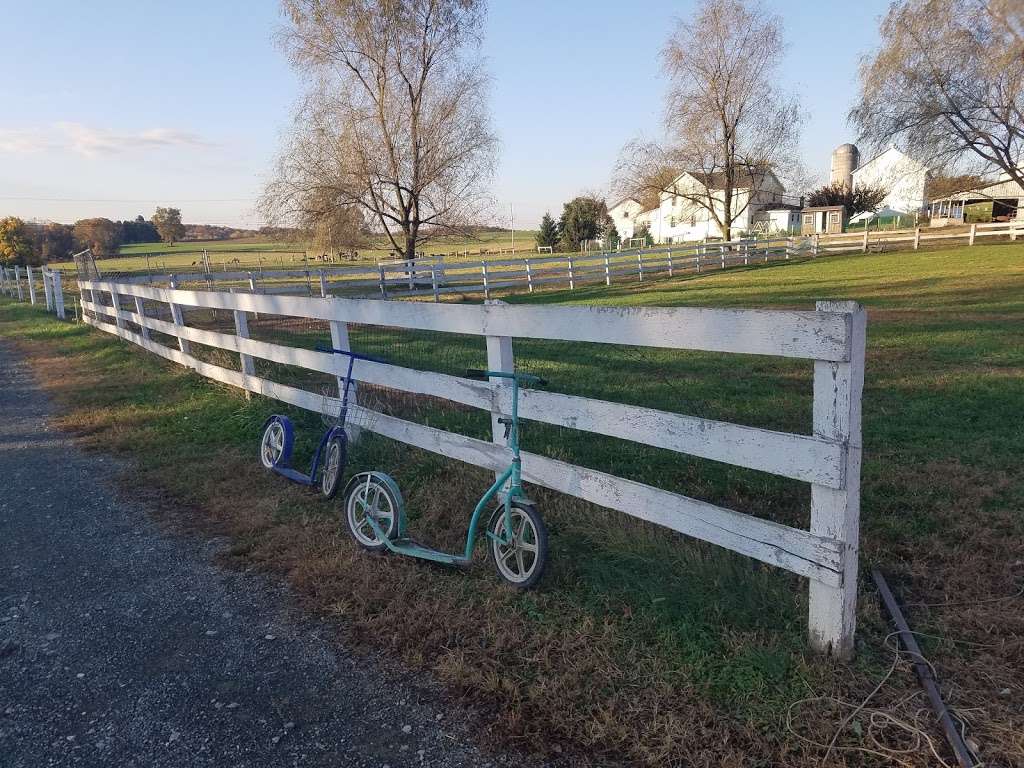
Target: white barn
point(903, 176)
point(624, 214)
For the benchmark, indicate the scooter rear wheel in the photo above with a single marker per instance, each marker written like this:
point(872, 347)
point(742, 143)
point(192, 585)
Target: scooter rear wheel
point(520, 562)
point(368, 496)
point(335, 454)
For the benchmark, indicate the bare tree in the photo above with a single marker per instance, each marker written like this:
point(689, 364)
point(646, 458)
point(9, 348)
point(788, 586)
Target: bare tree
point(726, 122)
point(948, 83)
point(396, 123)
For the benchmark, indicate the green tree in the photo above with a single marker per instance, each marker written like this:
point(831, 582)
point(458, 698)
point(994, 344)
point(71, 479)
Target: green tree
point(583, 218)
point(168, 223)
point(855, 201)
point(15, 246)
point(101, 236)
point(547, 233)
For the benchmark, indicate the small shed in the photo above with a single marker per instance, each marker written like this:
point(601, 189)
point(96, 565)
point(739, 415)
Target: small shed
point(823, 220)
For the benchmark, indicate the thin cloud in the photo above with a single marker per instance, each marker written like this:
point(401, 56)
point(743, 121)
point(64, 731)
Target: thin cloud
point(94, 142)
point(91, 142)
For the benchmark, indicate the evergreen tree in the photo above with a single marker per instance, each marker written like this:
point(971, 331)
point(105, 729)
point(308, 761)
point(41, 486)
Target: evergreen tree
point(547, 234)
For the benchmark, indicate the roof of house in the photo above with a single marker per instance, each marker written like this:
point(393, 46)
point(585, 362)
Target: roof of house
point(745, 179)
point(782, 207)
point(628, 199)
point(819, 208)
point(1006, 188)
point(886, 151)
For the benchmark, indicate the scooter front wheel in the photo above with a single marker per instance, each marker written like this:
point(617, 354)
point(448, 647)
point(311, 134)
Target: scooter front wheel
point(276, 445)
point(519, 560)
point(369, 497)
point(334, 465)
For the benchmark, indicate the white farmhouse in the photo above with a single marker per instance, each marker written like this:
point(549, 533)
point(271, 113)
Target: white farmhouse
point(624, 214)
point(679, 218)
point(903, 177)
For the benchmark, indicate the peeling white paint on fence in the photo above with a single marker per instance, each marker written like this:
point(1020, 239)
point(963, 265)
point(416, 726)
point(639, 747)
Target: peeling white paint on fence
point(832, 336)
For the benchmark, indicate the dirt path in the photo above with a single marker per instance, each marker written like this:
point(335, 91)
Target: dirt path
point(121, 644)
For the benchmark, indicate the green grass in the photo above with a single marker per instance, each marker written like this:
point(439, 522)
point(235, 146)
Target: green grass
point(254, 252)
point(639, 633)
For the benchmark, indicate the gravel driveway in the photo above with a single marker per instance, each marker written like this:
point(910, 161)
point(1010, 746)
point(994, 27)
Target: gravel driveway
point(124, 645)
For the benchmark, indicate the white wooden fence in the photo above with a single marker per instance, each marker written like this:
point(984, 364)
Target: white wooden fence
point(433, 277)
point(828, 458)
point(20, 283)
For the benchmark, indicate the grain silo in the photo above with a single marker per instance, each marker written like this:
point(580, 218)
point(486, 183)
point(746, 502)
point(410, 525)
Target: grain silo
point(845, 160)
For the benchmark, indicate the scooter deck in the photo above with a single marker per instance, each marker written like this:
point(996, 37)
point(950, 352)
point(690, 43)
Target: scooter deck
point(407, 546)
point(293, 475)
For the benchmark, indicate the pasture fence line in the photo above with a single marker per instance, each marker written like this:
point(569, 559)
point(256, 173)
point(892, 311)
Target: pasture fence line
point(828, 456)
point(26, 283)
point(433, 277)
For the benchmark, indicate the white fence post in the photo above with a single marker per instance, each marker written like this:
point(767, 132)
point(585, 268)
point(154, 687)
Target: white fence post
point(640, 266)
point(58, 294)
point(572, 281)
point(499, 358)
point(917, 238)
point(140, 310)
point(323, 285)
point(835, 513)
point(670, 263)
point(864, 247)
point(47, 290)
point(487, 288)
point(433, 282)
point(974, 232)
point(178, 317)
point(529, 276)
point(242, 332)
point(814, 246)
point(4, 282)
point(31, 285)
point(115, 303)
point(383, 283)
point(17, 279)
point(607, 272)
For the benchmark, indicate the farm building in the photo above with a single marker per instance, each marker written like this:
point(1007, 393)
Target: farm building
point(823, 220)
point(624, 214)
point(678, 218)
point(777, 218)
point(901, 175)
point(999, 201)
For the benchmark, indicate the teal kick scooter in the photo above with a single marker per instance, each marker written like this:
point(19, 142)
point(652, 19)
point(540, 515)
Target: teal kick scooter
point(515, 532)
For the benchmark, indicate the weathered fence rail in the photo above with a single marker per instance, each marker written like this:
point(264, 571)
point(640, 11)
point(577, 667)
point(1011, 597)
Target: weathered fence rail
point(828, 458)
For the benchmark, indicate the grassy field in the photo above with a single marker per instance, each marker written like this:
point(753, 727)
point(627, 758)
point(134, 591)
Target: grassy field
point(642, 646)
point(247, 253)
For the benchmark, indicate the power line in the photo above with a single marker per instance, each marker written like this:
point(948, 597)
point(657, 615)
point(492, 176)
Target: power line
point(126, 200)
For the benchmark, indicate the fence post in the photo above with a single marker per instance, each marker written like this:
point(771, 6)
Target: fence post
point(487, 288)
point(917, 238)
point(178, 316)
point(721, 252)
point(832, 615)
point(115, 304)
point(572, 282)
point(670, 263)
point(433, 282)
point(340, 340)
point(499, 358)
point(31, 285)
point(746, 254)
point(47, 290)
point(529, 276)
point(17, 279)
point(864, 248)
point(410, 272)
point(974, 231)
point(699, 250)
point(814, 246)
point(57, 286)
point(242, 332)
point(323, 285)
point(4, 282)
point(383, 284)
point(640, 266)
point(140, 310)
point(607, 272)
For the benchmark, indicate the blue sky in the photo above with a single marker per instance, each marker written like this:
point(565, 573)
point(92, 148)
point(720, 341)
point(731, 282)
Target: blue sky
point(114, 107)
